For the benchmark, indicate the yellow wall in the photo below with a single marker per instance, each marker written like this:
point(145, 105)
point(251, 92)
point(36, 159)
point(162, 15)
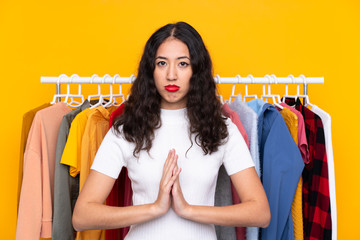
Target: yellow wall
point(314, 38)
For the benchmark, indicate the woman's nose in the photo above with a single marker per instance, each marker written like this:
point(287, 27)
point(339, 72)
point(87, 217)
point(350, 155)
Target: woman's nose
point(171, 73)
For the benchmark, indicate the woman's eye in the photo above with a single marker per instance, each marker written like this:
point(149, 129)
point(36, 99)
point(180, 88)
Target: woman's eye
point(183, 64)
point(161, 63)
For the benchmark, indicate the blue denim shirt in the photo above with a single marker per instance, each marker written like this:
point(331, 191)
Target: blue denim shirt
point(281, 165)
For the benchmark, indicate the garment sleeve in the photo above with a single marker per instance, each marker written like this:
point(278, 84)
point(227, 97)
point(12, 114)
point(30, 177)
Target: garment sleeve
point(110, 157)
point(236, 153)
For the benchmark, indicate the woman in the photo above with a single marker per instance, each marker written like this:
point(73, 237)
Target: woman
point(172, 138)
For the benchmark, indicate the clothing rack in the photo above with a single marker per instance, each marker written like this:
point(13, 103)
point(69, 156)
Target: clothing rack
point(117, 79)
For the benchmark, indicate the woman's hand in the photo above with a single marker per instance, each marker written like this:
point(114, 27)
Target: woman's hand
point(179, 203)
point(168, 178)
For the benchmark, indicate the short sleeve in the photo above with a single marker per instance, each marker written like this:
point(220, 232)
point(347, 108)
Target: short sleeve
point(236, 153)
point(109, 158)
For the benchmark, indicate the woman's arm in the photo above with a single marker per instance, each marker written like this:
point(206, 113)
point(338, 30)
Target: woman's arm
point(91, 213)
point(252, 211)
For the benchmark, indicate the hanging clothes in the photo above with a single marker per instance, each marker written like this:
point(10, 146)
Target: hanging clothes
point(281, 165)
point(302, 141)
point(72, 152)
point(304, 150)
point(37, 191)
point(26, 125)
point(249, 119)
point(317, 212)
point(121, 192)
point(223, 197)
point(66, 187)
point(326, 119)
point(84, 136)
point(292, 122)
point(96, 128)
point(227, 112)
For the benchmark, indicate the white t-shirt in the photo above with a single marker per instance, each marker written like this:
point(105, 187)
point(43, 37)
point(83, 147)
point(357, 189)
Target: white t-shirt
point(197, 178)
point(326, 119)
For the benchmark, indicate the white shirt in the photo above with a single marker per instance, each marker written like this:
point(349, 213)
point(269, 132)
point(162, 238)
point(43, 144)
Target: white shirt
point(326, 119)
point(197, 178)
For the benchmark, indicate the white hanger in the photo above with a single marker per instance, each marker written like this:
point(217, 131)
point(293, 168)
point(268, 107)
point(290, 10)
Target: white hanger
point(68, 96)
point(99, 95)
point(99, 90)
point(286, 90)
point(246, 89)
point(269, 95)
point(121, 95)
point(233, 89)
point(306, 97)
point(73, 103)
point(217, 80)
point(110, 96)
point(58, 95)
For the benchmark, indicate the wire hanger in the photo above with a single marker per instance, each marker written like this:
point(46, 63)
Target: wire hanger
point(246, 89)
point(269, 95)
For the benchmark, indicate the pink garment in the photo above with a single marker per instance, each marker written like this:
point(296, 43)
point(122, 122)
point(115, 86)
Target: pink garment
point(37, 191)
point(302, 142)
point(228, 112)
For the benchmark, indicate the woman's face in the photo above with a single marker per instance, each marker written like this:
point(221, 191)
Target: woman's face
point(172, 73)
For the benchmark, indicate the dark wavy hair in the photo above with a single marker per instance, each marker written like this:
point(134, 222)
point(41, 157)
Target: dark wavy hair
point(142, 110)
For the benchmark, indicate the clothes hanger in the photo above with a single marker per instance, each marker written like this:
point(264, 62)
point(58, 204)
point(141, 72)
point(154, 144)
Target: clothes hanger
point(233, 96)
point(269, 95)
point(58, 95)
point(99, 88)
point(68, 96)
point(99, 95)
point(120, 95)
point(246, 89)
point(217, 80)
point(286, 90)
point(73, 103)
point(110, 96)
point(306, 97)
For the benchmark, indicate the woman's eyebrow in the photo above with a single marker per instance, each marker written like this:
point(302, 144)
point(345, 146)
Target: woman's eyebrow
point(161, 57)
point(183, 57)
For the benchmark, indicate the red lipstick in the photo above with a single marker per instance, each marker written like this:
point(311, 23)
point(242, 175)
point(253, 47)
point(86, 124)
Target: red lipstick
point(172, 88)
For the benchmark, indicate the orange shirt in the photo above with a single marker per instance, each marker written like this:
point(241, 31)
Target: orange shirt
point(96, 128)
point(72, 151)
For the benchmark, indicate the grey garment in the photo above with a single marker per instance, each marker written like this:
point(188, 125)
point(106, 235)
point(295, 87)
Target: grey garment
point(223, 197)
point(66, 188)
point(249, 120)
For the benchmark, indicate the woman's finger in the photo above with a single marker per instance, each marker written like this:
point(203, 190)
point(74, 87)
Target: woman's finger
point(173, 179)
point(169, 171)
point(168, 159)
